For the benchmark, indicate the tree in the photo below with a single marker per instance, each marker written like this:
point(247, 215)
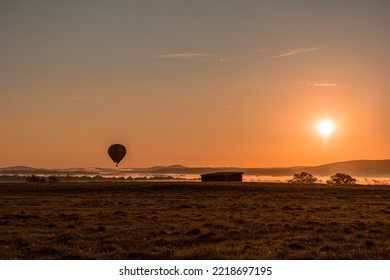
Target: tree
point(303, 178)
point(341, 179)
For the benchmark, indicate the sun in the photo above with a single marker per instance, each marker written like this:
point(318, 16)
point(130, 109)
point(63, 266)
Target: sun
point(325, 128)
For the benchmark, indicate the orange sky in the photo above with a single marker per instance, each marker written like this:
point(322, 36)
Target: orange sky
point(205, 83)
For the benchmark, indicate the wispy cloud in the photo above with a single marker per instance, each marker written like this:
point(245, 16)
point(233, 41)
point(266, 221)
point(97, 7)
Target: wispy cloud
point(220, 57)
point(185, 55)
point(322, 85)
point(298, 51)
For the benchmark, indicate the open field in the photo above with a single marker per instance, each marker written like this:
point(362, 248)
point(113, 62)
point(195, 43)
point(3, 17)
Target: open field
point(192, 220)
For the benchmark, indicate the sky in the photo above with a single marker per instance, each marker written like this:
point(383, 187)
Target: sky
point(201, 83)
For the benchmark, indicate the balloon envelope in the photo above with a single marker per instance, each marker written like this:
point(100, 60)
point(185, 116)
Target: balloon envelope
point(117, 152)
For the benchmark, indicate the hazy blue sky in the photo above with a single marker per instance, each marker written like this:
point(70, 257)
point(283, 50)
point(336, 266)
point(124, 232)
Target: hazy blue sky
point(201, 83)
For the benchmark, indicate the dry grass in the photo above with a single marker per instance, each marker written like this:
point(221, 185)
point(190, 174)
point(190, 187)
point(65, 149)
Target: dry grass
point(153, 220)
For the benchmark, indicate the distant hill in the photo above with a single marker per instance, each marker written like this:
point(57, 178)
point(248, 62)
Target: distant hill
point(17, 168)
point(358, 168)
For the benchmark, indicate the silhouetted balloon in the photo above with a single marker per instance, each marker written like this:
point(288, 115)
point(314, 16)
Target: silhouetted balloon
point(117, 152)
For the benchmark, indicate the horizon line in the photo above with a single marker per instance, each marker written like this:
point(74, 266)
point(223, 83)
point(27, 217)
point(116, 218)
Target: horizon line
point(184, 166)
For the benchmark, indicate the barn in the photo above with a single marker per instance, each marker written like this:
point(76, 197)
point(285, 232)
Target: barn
point(222, 177)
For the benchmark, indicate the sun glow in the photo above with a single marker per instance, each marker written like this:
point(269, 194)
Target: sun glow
point(325, 128)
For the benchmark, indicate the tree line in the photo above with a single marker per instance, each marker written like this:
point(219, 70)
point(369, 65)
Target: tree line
point(298, 178)
point(337, 179)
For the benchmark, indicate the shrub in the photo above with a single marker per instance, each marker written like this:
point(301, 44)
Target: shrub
point(341, 179)
point(303, 178)
point(52, 179)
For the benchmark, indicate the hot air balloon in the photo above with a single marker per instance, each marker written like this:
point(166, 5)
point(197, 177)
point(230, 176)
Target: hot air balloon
point(117, 152)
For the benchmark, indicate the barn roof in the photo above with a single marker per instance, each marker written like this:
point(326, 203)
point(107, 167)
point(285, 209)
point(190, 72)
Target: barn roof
point(222, 173)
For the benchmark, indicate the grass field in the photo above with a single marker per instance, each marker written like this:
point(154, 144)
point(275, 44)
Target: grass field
point(155, 220)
